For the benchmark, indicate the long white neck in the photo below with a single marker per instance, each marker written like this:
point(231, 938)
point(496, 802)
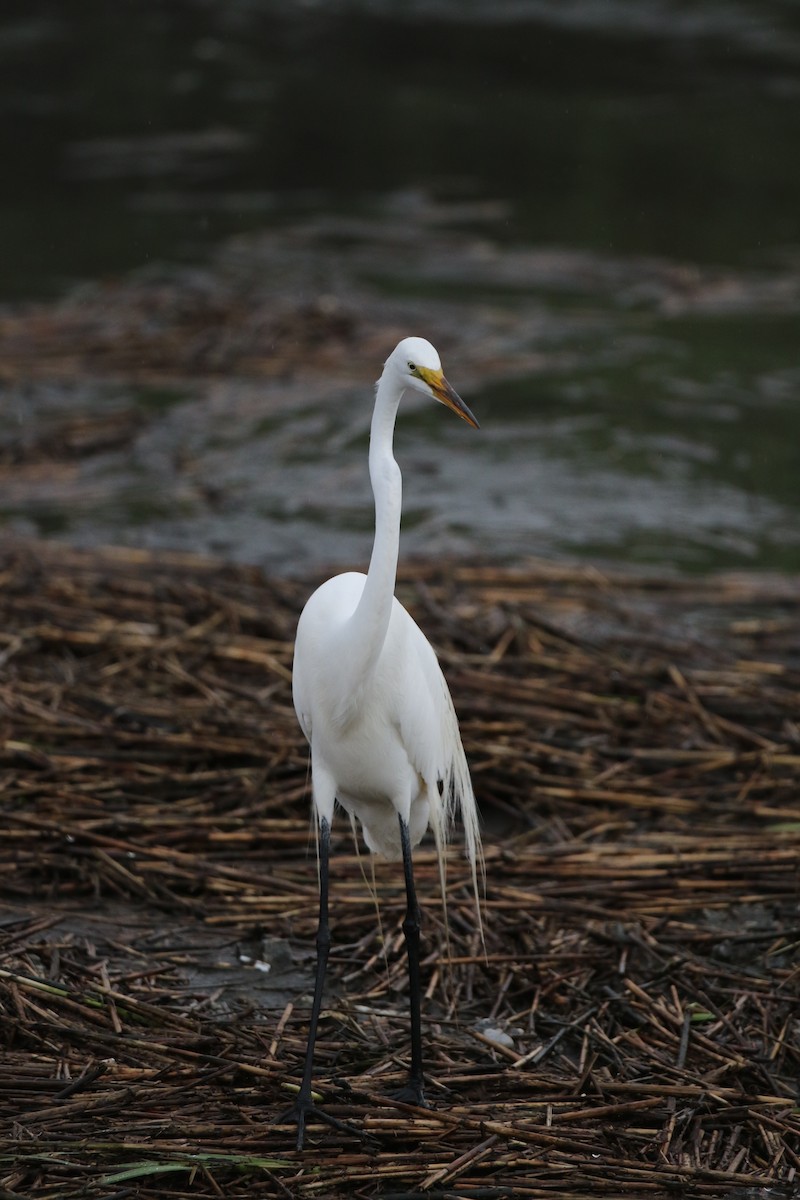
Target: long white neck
point(370, 621)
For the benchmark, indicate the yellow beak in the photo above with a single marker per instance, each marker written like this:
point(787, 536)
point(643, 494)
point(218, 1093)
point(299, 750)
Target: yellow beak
point(447, 395)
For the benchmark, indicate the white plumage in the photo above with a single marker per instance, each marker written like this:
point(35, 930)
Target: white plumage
point(381, 745)
point(374, 705)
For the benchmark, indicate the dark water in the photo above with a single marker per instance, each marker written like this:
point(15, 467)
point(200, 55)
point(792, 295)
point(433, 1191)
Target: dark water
point(624, 204)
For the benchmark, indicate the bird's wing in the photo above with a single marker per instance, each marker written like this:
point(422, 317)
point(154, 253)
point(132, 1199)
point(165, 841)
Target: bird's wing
point(301, 701)
point(426, 718)
point(304, 720)
point(428, 727)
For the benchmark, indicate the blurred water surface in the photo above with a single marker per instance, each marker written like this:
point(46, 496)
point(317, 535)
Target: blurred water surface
point(602, 214)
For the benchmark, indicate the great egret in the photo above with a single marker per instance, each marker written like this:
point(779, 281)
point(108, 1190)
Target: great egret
point(373, 703)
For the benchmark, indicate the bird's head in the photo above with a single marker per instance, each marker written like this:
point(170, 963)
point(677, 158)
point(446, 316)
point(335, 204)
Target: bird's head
point(418, 366)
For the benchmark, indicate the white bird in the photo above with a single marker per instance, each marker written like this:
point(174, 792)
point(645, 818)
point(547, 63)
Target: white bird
point(374, 705)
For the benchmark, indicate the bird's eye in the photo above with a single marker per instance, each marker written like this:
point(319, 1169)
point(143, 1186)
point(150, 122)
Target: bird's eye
point(412, 367)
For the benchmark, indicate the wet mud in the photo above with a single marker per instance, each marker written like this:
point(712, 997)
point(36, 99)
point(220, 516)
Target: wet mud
point(225, 409)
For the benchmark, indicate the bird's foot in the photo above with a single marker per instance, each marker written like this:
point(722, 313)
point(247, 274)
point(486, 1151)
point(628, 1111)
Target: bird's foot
point(304, 1109)
point(412, 1093)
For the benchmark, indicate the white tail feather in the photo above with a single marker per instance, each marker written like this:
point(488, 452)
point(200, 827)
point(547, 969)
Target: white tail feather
point(457, 796)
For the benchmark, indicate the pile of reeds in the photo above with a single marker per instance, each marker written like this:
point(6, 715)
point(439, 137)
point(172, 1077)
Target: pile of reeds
point(635, 746)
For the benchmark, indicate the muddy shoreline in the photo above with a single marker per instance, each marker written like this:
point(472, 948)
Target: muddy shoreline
point(224, 410)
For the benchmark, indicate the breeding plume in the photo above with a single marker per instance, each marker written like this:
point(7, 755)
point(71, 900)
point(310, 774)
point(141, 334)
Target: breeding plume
point(372, 701)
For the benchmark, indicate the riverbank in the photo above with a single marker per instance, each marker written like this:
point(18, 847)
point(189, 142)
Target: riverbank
point(635, 747)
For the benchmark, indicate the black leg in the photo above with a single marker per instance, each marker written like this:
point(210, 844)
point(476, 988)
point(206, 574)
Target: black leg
point(303, 1106)
point(414, 1091)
